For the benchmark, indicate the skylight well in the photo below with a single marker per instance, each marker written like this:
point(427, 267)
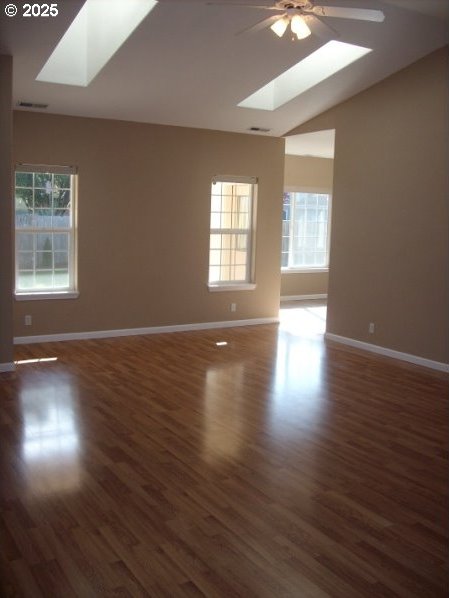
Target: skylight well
point(97, 32)
point(315, 68)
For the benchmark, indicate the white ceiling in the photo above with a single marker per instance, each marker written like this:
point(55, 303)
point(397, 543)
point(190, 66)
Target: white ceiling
point(319, 145)
point(187, 65)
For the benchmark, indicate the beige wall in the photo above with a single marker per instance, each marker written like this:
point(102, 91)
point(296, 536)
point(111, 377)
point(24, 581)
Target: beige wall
point(303, 284)
point(144, 200)
point(389, 247)
point(310, 175)
point(6, 270)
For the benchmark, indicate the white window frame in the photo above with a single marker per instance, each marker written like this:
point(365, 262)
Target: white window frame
point(249, 283)
point(310, 269)
point(71, 290)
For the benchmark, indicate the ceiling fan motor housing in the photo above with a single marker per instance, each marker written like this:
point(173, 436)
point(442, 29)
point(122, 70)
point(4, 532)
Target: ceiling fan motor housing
point(294, 4)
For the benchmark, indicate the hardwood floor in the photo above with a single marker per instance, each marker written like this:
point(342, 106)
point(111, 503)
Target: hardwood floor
point(273, 466)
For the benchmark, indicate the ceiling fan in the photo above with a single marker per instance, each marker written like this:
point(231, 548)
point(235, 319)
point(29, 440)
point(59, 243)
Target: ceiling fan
point(302, 15)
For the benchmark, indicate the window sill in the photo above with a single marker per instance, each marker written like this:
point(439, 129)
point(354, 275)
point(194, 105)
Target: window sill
point(303, 270)
point(214, 288)
point(41, 296)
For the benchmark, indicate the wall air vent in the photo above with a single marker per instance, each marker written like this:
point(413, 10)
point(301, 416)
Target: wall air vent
point(32, 105)
point(259, 129)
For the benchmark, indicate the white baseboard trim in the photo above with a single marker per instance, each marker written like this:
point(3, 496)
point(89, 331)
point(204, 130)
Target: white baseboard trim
point(303, 297)
point(7, 367)
point(72, 336)
point(428, 363)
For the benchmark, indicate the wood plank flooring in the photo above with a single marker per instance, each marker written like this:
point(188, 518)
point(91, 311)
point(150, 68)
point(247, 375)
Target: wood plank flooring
point(273, 466)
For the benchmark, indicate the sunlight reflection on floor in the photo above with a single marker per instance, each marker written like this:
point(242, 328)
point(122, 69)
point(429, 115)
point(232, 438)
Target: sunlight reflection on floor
point(51, 440)
point(306, 321)
point(298, 404)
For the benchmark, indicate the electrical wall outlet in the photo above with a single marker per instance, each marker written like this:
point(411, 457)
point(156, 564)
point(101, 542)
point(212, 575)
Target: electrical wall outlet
point(28, 320)
point(371, 328)
point(233, 307)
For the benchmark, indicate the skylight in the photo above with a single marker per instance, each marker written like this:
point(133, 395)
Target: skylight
point(97, 32)
point(315, 68)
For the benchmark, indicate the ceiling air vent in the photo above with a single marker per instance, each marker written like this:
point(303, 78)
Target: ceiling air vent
point(259, 129)
point(32, 105)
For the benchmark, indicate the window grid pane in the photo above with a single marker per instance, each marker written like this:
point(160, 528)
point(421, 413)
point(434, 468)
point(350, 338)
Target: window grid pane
point(44, 231)
point(230, 235)
point(305, 230)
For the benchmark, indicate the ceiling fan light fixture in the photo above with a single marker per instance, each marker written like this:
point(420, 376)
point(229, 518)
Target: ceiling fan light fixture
point(299, 27)
point(280, 26)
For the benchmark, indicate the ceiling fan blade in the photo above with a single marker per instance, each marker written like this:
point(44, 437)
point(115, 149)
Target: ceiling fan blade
point(263, 24)
point(319, 28)
point(361, 14)
point(243, 5)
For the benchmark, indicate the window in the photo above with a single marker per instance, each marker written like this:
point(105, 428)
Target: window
point(231, 231)
point(45, 214)
point(305, 231)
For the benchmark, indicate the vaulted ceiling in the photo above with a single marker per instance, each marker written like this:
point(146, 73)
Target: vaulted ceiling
point(188, 63)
